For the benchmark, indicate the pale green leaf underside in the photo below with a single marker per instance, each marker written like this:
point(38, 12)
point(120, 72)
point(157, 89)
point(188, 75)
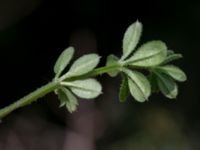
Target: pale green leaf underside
point(167, 86)
point(67, 99)
point(112, 60)
point(124, 90)
point(88, 88)
point(72, 103)
point(63, 60)
point(139, 85)
point(131, 38)
point(173, 71)
point(150, 54)
point(83, 65)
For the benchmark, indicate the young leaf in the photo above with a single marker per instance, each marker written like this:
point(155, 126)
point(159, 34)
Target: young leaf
point(88, 88)
point(173, 71)
point(131, 38)
point(170, 52)
point(139, 85)
point(172, 57)
point(83, 65)
point(63, 60)
point(167, 86)
point(112, 60)
point(124, 90)
point(67, 99)
point(150, 54)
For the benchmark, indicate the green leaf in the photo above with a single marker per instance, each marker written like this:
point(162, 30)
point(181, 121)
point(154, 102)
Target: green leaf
point(170, 52)
point(124, 90)
point(112, 60)
point(173, 71)
point(62, 97)
point(88, 88)
point(83, 65)
point(171, 58)
point(167, 86)
point(63, 60)
point(72, 103)
point(67, 99)
point(131, 38)
point(139, 85)
point(153, 81)
point(150, 54)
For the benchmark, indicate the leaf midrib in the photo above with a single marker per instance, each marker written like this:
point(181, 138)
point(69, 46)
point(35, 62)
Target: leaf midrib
point(141, 59)
point(160, 78)
point(84, 89)
point(74, 71)
point(138, 88)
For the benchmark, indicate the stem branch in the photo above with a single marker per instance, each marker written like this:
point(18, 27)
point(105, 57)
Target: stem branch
point(42, 91)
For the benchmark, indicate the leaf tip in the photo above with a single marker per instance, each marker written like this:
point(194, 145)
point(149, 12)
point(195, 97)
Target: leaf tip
point(137, 22)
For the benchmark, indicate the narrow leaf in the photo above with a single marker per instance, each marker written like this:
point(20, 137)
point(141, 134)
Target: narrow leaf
point(83, 65)
point(173, 71)
point(131, 38)
point(62, 97)
point(72, 103)
point(88, 88)
point(150, 54)
point(139, 85)
point(124, 90)
point(167, 86)
point(153, 82)
point(171, 58)
point(170, 52)
point(112, 60)
point(67, 99)
point(63, 60)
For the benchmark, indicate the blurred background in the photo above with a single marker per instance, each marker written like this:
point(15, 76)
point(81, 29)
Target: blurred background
point(34, 32)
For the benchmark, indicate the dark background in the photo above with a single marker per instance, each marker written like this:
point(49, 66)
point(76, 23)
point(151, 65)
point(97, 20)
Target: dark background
point(33, 33)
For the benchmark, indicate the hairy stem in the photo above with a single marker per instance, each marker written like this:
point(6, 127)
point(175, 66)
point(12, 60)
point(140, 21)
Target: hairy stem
point(105, 69)
point(42, 91)
point(93, 73)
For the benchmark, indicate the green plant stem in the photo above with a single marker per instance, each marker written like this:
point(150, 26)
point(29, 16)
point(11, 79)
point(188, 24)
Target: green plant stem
point(42, 91)
point(105, 69)
point(93, 73)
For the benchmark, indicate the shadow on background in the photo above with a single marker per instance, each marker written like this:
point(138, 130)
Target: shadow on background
point(32, 35)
